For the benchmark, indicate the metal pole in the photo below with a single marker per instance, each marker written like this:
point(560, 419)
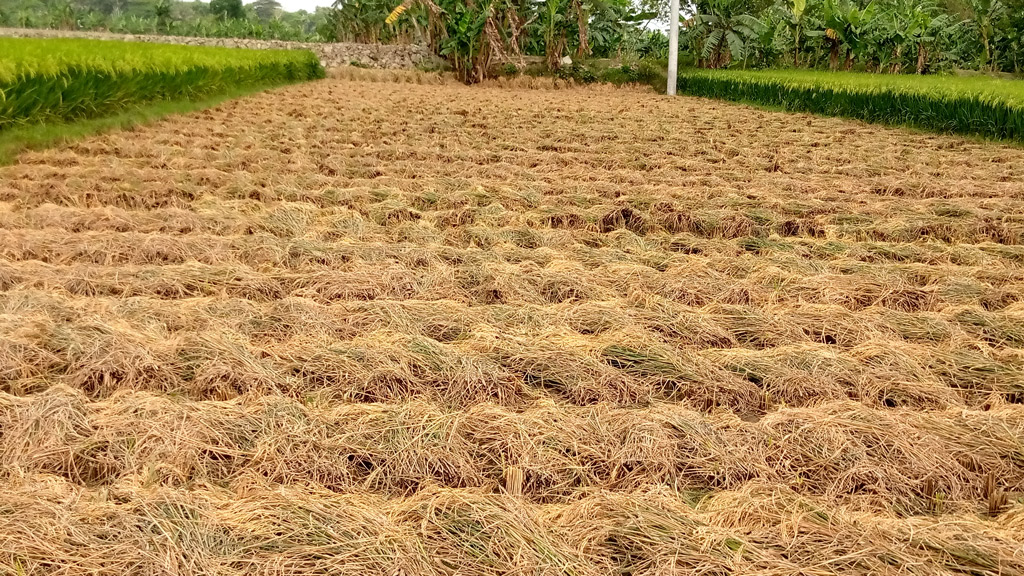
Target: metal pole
point(673, 46)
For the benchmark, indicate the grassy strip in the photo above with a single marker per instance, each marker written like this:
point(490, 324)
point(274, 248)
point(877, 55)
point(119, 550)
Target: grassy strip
point(47, 134)
point(62, 79)
point(983, 106)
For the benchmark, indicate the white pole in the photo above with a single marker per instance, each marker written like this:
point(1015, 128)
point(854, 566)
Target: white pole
point(673, 46)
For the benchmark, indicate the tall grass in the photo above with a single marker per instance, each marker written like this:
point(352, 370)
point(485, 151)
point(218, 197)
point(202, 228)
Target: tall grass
point(975, 105)
point(73, 79)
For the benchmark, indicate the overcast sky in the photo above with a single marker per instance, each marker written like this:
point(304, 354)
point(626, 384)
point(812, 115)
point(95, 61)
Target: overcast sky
point(307, 5)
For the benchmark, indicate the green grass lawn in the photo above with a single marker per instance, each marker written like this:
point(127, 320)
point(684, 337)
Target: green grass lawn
point(981, 105)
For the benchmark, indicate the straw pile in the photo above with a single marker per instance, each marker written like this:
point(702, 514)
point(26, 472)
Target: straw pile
point(410, 327)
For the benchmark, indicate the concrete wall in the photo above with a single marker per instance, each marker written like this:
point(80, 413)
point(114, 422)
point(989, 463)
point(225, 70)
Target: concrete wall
point(332, 55)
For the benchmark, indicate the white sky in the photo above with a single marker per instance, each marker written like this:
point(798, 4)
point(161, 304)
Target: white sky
point(307, 5)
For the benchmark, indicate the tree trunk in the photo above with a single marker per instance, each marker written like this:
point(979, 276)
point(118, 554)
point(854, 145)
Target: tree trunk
point(849, 60)
point(988, 50)
point(482, 60)
point(582, 22)
point(796, 53)
point(515, 32)
point(897, 55)
point(922, 57)
point(833, 56)
point(717, 58)
point(554, 49)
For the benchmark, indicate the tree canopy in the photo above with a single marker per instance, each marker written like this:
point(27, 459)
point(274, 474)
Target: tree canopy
point(221, 18)
point(227, 9)
point(883, 36)
point(892, 36)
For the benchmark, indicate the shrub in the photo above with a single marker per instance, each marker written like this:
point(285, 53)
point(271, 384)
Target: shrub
point(576, 72)
point(643, 72)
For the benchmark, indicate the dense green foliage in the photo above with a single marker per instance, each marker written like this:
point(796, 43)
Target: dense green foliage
point(228, 9)
point(598, 28)
point(473, 34)
point(261, 19)
point(881, 36)
point(975, 105)
point(890, 36)
point(42, 80)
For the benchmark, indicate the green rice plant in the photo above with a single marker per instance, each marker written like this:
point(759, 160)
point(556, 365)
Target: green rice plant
point(43, 80)
point(964, 105)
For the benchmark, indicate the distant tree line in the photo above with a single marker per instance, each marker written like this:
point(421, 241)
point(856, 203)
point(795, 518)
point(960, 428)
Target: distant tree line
point(262, 19)
point(471, 34)
point(883, 36)
point(892, 36)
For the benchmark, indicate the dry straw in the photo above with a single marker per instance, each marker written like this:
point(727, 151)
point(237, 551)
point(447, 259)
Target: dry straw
point(510, 331)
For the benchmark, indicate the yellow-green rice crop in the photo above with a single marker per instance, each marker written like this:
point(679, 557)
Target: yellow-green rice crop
point(65, 79)
point(975, 105)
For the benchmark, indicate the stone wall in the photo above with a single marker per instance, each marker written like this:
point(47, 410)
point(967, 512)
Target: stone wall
point(332, 55)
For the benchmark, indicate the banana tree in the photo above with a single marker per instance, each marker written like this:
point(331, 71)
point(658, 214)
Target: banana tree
point(1014, 26)
point(892, 35)
point(847, 26)
point(1015, 39)
point(554, 23)
point(725, 29)
point(464, 44)
point(923, 21)
point(468, 33)
point(796, 14)
point(581, 9)
point(763, 46)
point(162, 11)
point(611, 24)
point(364, 20)
point(986, 13)
point(567, 24)
point(63, 15)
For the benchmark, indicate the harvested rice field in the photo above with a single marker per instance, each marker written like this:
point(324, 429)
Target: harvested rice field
point(354, 327)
